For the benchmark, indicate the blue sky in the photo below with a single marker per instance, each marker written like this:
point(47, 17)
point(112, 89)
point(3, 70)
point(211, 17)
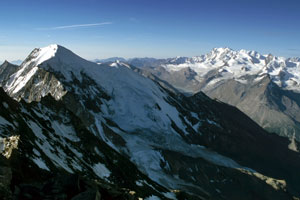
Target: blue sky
point(152, 28)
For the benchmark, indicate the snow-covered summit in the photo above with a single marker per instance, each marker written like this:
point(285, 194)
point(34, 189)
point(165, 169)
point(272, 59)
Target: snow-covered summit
point(42, 54)
point(54, 53)
point(31, 73)
point(119, 63)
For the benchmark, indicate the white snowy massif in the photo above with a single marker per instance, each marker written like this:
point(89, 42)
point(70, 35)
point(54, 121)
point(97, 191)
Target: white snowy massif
point(237, 64)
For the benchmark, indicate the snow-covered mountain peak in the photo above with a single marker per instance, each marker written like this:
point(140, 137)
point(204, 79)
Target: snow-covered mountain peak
point(294, 59)
point(220, 54)
point(32, 77)
point(226, 54)
point(62, 54)
point(118, 64)
point(54, 53)
point(5, 62)
point(221, 50)
point(56, 58)
point(42, 54)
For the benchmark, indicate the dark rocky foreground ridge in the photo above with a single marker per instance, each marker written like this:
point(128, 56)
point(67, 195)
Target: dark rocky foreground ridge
point(213, 151)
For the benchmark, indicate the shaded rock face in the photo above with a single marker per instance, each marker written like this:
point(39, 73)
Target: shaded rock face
point(42, 84)
point(268, 105)
point(78, 140)
point(184, 80)
point(6, 70)
point(145, 62)
point(258, 145)
point(220, 182)
point(5, 181)
point(65, 186)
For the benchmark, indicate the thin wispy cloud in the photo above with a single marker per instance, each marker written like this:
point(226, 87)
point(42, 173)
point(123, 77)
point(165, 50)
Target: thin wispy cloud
point(74, 26)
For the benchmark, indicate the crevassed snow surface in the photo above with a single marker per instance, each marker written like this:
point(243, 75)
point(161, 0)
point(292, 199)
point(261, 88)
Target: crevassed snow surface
point(144, 153)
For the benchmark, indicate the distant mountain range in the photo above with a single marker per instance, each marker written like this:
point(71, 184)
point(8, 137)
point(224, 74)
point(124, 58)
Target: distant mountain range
point(115, 131)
